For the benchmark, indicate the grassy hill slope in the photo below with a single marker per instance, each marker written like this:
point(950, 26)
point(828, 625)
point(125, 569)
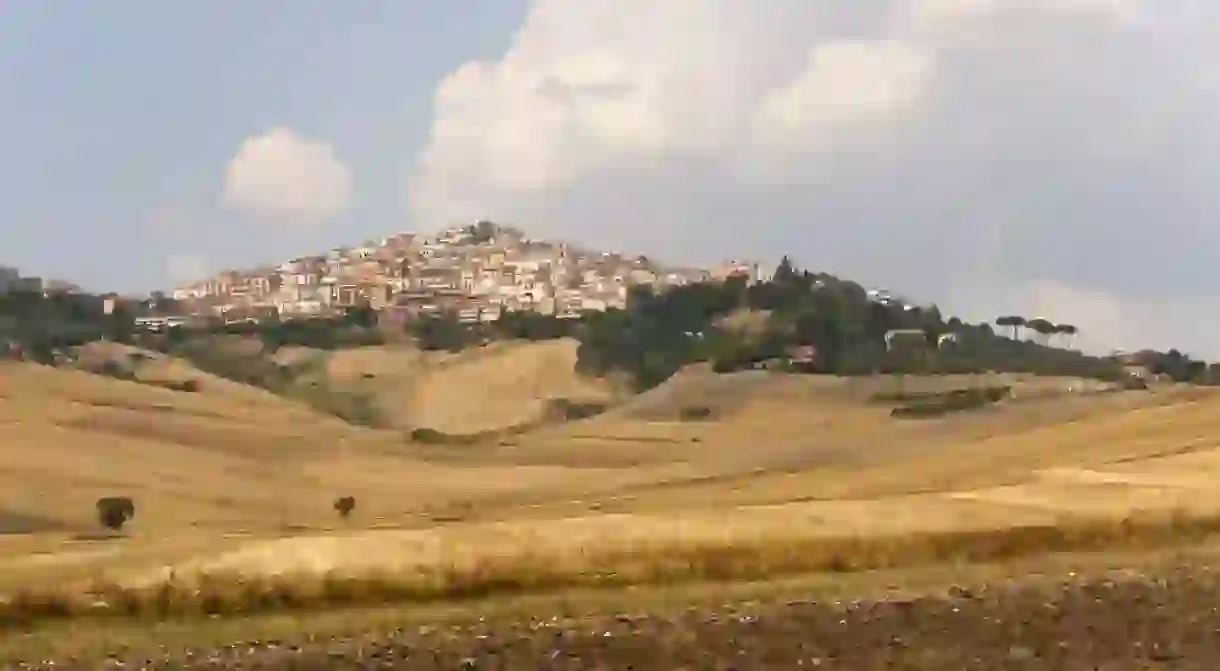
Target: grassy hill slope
point(228, 481)
point(226, 457)
point(511, 385)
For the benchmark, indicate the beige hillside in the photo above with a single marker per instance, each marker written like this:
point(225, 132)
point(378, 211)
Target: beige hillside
point(239, 478)
point(227, 457)
point(1105, 455)
point(505, 386)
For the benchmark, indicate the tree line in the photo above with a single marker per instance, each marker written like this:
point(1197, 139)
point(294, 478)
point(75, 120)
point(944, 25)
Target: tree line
point(733, 324)
point(737, 324)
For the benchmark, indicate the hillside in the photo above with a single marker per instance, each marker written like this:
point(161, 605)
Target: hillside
point(242, 480)
point(715, 430)
point(509, 386)
point(763, 477)
point(225, 457)
point(217, 456)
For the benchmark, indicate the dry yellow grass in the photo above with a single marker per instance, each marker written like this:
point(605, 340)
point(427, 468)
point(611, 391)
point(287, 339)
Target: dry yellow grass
point(222, 458)
point(88, 639)
point(241, 583)
point(509, 385)
point(505, 385)
point(237, 480)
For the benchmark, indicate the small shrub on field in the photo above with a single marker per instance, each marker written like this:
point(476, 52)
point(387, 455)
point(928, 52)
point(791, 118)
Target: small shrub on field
point(187, 386)
point(569, 410)
point(967, 395)
point(904, 396)
point(443, 517)
point(430, 436)
point(958, 400)
point(344, 505)
point(693, 413)
point(115, 511)
point(919, 411)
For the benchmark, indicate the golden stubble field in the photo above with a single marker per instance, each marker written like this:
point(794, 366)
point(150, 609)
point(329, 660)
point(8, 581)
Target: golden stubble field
point(232, 480)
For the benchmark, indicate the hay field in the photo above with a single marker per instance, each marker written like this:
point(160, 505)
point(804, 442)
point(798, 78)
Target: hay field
point(505, 385)
point(241, 481)
point(227, 460)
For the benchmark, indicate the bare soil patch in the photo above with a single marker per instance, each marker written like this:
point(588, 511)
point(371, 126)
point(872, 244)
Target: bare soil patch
point(1162, 619)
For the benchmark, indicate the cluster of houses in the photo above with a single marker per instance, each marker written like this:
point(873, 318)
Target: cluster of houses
point(476, 272)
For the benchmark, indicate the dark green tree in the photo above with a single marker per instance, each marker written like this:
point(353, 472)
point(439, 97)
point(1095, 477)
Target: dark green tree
point(344, 505)
point(785, 272)
point(115, 511)
point(1068, 331)
point(1042, 327)
point(1014, 322)
point(483, 232)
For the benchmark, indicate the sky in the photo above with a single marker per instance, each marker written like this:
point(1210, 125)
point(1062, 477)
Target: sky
point(1051, 158)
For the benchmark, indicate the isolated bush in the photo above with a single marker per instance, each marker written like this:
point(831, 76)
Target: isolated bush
point(430, 436)
point(584, 410)
point(115, 511)
point(920, 411)
point(694, 412)
point(958, 400)
point(189, 386)
point(345, 505)
point(569, 410)
point(905, 396)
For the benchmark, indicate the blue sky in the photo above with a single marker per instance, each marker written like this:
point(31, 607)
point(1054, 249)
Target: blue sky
point(118, 119)
point(1042, 157)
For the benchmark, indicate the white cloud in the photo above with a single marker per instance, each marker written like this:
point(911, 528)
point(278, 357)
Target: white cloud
point(282, 175)
point(938, 13)
point(914, 143)
point(844, 84)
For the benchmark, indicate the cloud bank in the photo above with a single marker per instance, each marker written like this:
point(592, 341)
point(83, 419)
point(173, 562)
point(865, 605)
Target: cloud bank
point(993, 155)
point(282, 176)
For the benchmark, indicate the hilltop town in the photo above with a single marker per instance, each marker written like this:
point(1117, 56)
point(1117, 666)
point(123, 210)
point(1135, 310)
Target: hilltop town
point(475, 272)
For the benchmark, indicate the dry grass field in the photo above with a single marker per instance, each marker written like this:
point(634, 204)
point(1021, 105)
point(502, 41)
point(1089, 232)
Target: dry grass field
point(775, 475)
point(506, 385)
